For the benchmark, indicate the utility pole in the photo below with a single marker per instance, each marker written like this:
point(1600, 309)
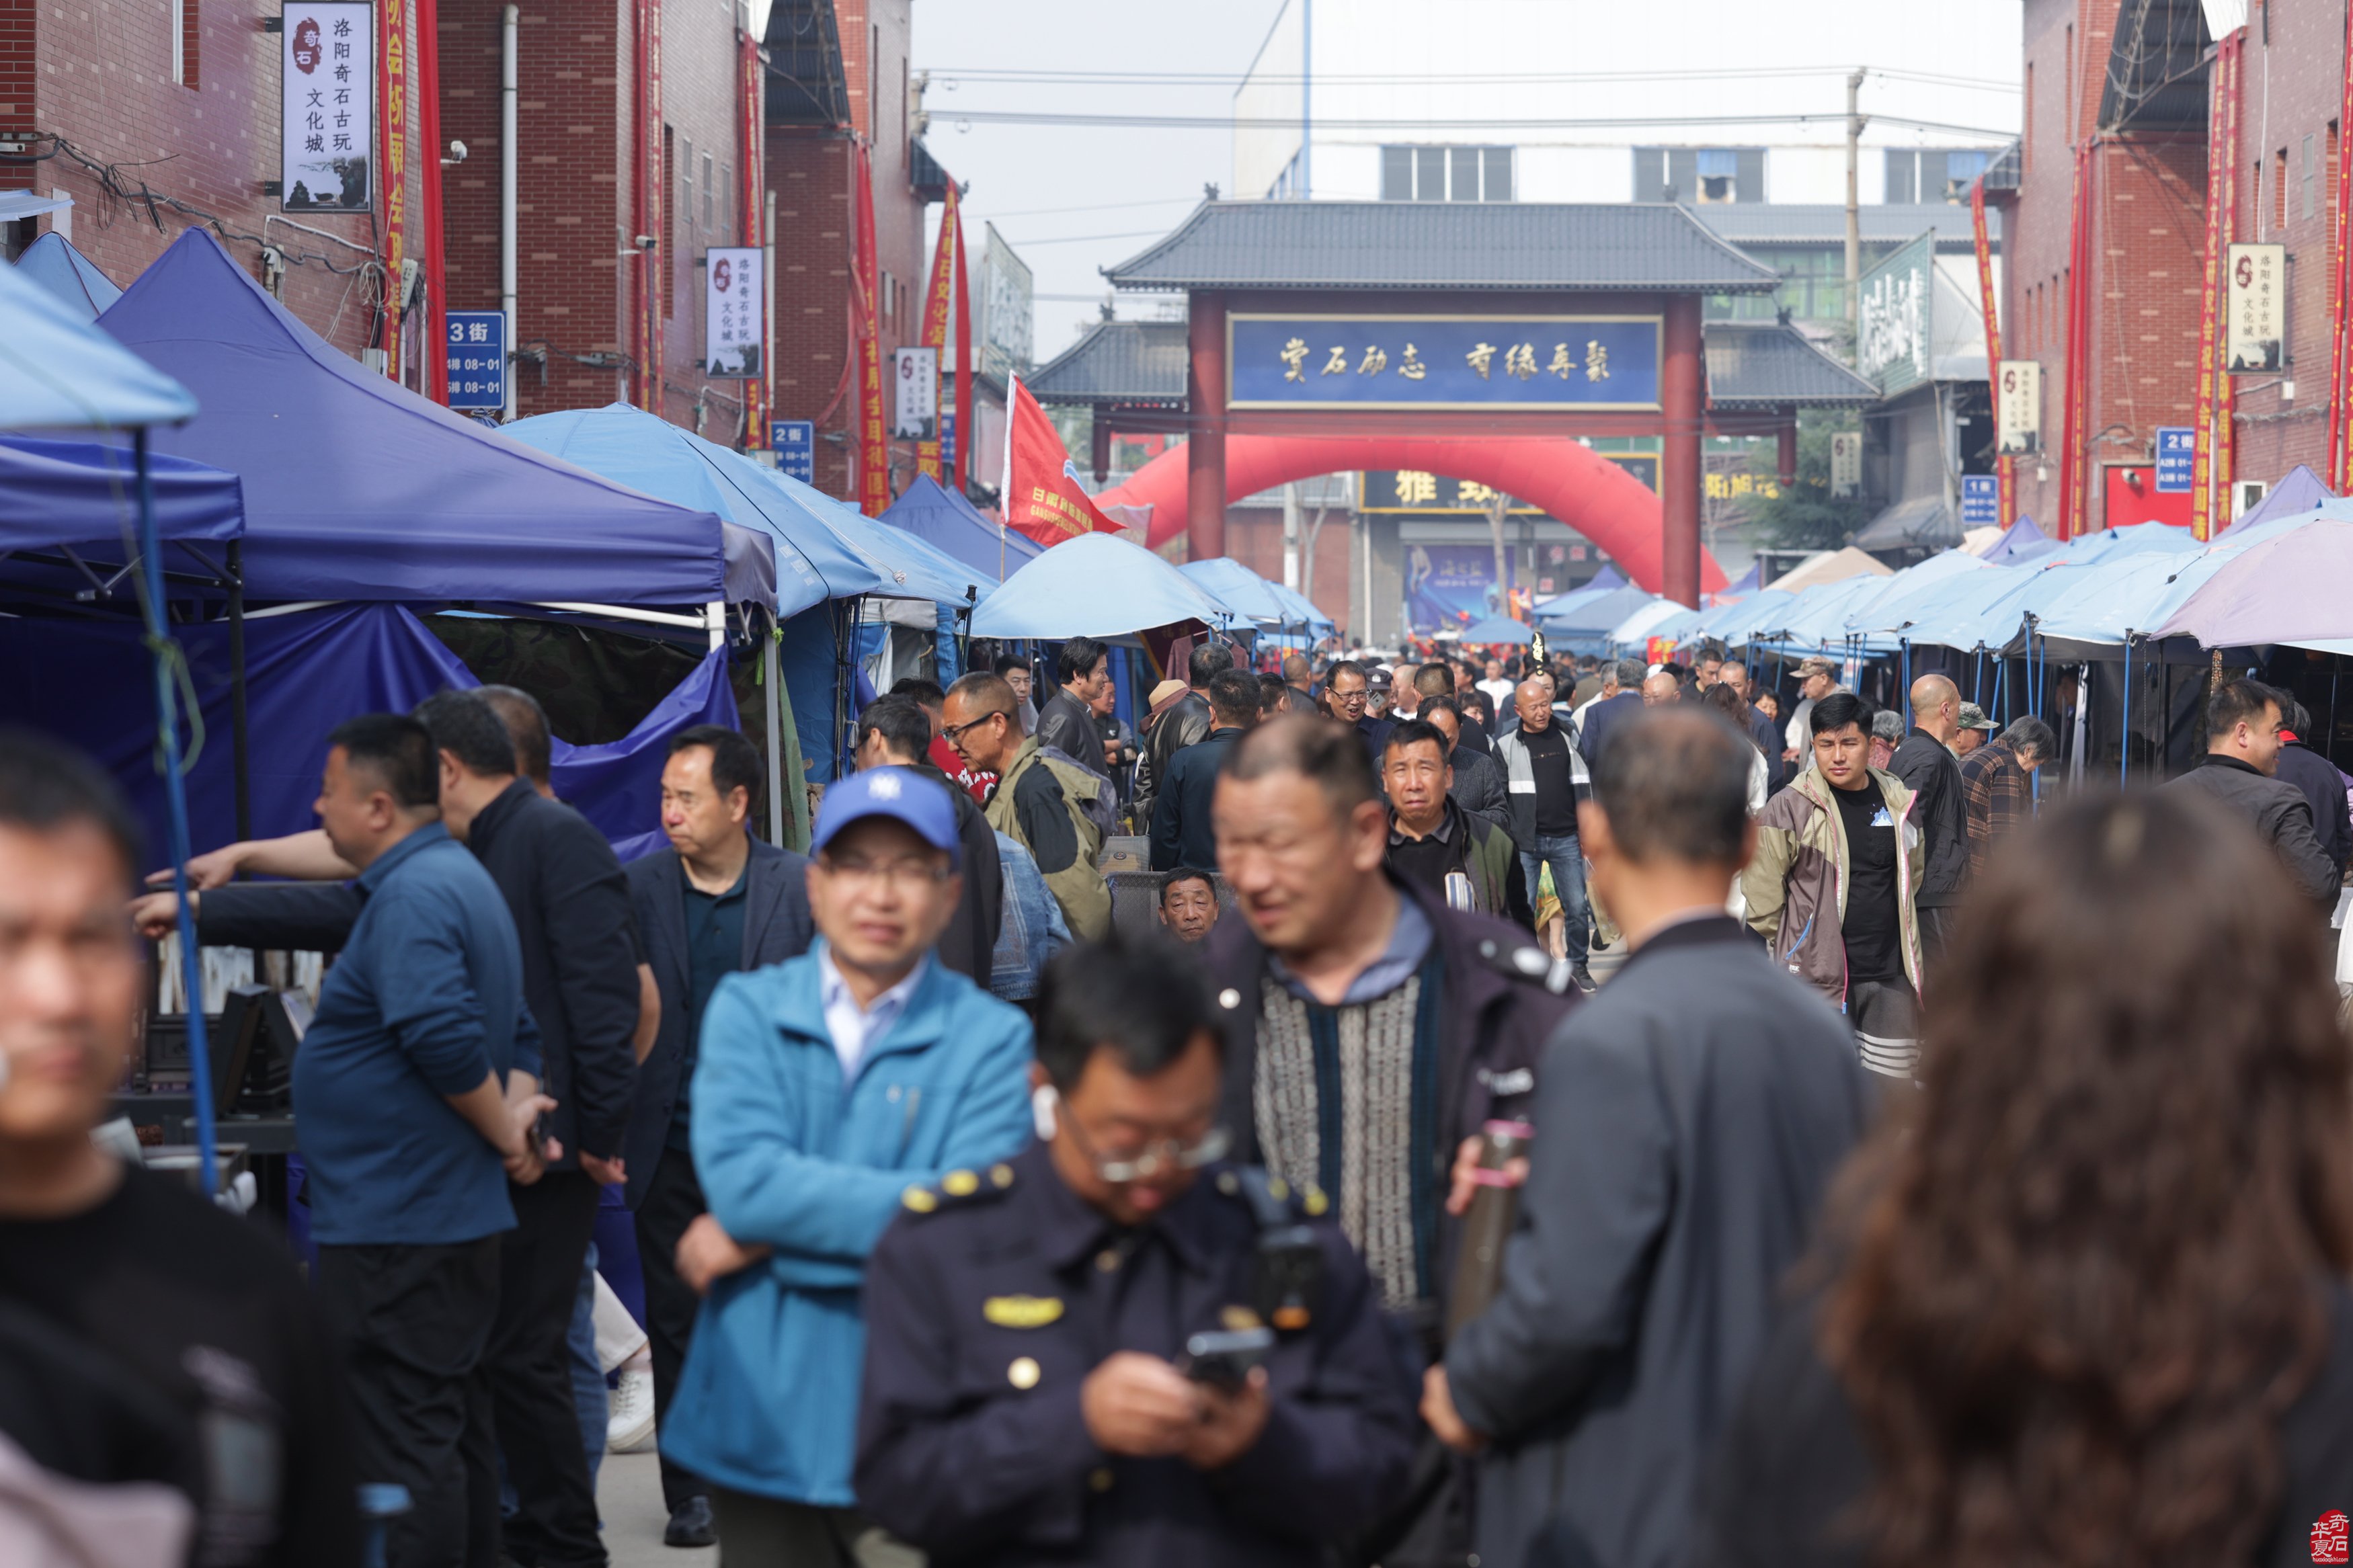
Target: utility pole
point(1854, 214)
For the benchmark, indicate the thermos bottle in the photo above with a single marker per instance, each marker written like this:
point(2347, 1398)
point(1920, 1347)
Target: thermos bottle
point(1479, 1271)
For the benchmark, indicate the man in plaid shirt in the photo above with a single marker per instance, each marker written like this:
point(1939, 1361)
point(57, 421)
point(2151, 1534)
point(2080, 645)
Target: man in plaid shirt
point(1997, 783)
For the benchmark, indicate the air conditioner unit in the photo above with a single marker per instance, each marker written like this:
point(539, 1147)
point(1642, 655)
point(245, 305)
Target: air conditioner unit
point(2246, 496)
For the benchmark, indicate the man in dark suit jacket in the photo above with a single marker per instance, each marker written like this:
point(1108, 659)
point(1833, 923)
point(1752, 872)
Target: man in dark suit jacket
point(1181, 831)
point(1618, 706)
point(718, 900)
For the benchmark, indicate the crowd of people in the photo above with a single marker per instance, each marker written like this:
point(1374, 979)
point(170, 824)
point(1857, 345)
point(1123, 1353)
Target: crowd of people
point(1904, 1189)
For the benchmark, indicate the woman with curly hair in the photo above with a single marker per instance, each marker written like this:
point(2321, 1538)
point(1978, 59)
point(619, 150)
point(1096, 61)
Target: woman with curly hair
point(2085, 1302)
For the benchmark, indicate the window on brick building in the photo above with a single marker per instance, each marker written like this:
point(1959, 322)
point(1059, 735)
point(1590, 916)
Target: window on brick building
point(2311, 175)
point(1412, 174)
point(728, 233)
point(2026, 142)
point(1705, 175)
point(686, 181)
point(888, 296)
point(669, 227)
point(184, 33)
point(2279, 189)
point(710, 195)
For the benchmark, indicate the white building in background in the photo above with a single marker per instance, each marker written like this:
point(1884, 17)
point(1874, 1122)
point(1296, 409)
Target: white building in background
point(1704, 101)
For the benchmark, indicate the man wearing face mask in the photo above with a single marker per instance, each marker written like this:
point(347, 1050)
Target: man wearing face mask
point(1111, 1350)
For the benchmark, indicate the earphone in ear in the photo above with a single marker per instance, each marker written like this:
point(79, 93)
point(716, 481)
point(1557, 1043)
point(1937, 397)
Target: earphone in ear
point(1041, 1111)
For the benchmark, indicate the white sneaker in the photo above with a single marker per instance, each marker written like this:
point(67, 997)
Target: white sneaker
point(631, 1429)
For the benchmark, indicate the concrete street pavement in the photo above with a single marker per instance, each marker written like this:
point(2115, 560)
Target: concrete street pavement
point(628, 1495)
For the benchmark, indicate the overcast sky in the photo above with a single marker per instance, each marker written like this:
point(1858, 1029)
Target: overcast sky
point(1042, 184)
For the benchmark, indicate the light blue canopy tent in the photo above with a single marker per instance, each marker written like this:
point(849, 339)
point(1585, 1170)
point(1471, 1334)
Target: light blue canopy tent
point(1303, 610)
point(1096, 585)
point(1581, 622)
point(56, 369)
point(1817, 622)
point(1757, 617)
point(2110, 543)
point(52, 262)
point(1496, 629)
point(1241, 589)
point(1880, 623)
point(1639, 623)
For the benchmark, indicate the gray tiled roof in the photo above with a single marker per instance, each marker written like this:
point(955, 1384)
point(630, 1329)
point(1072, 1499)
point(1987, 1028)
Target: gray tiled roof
point(1923, 522)
point(1824, 223)
point(1117, 362)
point(1765, 364)
point(1442, 244)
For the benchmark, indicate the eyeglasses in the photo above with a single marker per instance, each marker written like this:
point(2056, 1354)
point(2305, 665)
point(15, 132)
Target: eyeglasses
point(896, 875)
point(949, 732)
point(1163, 1155)
point(1352, 698)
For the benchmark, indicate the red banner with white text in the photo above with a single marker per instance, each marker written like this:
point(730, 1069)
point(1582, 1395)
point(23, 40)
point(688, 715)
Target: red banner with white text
point(392, 92)
point(1043, 498)
point(873, 440)
point(936, 305)
point(2076, 388)
point(2003, 467)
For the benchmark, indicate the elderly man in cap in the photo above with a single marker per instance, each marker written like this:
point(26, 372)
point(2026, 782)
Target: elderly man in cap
point(1975, 730)
point(826, 1088)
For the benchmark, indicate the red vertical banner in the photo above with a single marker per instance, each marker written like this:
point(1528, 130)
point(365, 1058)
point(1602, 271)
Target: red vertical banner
point(2210, 308)
point(431, 231)
point(2072, 457)
point(2002, 466)
point(937, 298)
point(2340, 292)
point(2231, 58)
point(965, 433)
point(392, 83)
point(873, 448)
point(752, 204)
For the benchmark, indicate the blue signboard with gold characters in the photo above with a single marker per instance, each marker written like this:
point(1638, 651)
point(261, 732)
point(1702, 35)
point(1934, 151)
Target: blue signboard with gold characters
point(1442, 362)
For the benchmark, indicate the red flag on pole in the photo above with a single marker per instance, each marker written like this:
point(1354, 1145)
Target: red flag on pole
point(1043, 498)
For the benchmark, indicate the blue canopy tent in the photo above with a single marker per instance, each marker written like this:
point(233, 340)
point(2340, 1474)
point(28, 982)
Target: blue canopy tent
point(948, 522)
point(1637, 624)
point(52, 262)
point(1878, 623)
point(2300, 491)
point(82, 495)
point(357, 489)
point(1302, 611)
point(1097, 586)
point(2022, 541)
point(1581, 622)
point(1242, 590)
point(61, 373)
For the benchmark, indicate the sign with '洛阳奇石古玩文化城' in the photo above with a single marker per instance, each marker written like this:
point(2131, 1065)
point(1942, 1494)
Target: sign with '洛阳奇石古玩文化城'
point(1442, 362)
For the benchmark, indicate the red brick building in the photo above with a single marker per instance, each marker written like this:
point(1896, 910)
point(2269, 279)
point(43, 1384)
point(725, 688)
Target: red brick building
point(110, 105)
point(2128, 85)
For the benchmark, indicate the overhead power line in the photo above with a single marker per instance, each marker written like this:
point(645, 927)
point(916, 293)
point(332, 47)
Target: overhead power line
point(945, 76)
point(1289, 122)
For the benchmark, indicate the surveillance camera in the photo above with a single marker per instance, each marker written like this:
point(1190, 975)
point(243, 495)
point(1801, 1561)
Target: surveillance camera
point(645, 242)
point(457, 152)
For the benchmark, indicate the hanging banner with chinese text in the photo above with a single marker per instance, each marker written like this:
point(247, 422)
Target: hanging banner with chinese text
point(1451, 585)
point(2004, 468)
point(915, 395)
point(874, 446)
point(1442, 362)
point(327, 106)
point(1894, 335)
point(2258, 295)
point(393, 85)
point(732, 322)
point(939, 296)
point(2018, 409)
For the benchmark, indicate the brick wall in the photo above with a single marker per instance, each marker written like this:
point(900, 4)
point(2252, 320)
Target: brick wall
point(99, 75)
point(809, 174)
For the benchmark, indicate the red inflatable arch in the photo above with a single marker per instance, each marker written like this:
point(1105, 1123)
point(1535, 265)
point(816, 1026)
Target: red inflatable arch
point(1570, 481)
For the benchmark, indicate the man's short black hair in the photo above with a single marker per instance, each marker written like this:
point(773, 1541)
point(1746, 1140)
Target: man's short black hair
point(1434, 679)
point(1142, 999)
point(1206, 663)
point(2238, 701)
point(1415, 731)
point(734, 762)
point(44, 786)
point(1475, 702)
point(1441, 705)
point(926, 693)
point(2027, 734)
point(1234, 696)
point(1329, 755)
point(462, 724)
point(397, 751)
point(1077, 657)
point(1169, 880)
point(526, 723)
point(1007, 663)
point(1675, 784)
point(1836, 712)
point(1341, 667)
point(903, 725)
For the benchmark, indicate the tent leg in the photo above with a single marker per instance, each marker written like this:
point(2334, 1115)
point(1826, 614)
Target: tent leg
point(772, 678)
point(240, 758)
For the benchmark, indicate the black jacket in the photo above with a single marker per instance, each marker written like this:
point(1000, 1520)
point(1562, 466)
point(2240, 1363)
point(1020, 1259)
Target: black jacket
point(968, 945)
point(776, 926)
point(1479, 784)
point(1069, 725)
point(2323, 787)
point(2278, 813)
point(1772, 742)
point(1504, 995)
point(1933, 776)
point(1795, 1462)
point(571, 908)
point(1186, 722)
point(1182, 834)
point(1688, 1118)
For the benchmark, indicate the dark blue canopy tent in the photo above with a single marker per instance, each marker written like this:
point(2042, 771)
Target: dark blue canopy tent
point(947, 521)
point(82, 495)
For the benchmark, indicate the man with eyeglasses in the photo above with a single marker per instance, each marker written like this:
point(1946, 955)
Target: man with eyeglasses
point(1347, 696)
point(1038, 1382)
point(824, 1088)
point(1037, 801)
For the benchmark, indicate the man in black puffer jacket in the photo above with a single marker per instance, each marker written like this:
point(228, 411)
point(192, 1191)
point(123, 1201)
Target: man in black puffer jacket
point(1926, 763)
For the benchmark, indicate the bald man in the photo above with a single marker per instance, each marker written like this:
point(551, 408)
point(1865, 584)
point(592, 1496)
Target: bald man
point(1926, 763)
point(1662, 689)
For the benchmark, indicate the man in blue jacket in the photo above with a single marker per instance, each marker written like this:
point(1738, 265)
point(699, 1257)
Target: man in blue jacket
point(825, 1090)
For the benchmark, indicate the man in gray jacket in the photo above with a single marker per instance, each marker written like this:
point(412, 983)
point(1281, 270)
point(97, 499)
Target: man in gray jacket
point(1688, 1119)
point(2242, 748)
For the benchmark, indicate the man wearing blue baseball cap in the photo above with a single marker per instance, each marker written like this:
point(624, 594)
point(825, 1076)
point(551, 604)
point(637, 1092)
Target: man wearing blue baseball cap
point(829, 1090)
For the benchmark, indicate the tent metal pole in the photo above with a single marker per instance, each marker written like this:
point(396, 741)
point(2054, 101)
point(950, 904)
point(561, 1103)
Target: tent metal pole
point(771, 676)
point(2123, 738)
point(240, 758)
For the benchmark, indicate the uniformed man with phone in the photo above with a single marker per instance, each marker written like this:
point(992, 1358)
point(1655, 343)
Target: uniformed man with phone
point(1111, 1349)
